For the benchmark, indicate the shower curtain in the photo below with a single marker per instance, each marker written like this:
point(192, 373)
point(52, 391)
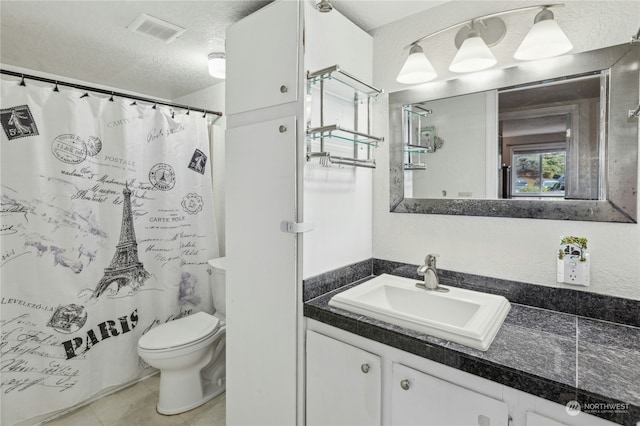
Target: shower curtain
point(106, 226)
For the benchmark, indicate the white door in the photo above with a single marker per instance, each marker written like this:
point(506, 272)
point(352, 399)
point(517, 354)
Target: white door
point(343, 383)
point(420, 399)
point(262, 58)
point(261, 273)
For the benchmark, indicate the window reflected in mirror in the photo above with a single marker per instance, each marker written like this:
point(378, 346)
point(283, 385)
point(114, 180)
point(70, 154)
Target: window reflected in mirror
point(550, 139)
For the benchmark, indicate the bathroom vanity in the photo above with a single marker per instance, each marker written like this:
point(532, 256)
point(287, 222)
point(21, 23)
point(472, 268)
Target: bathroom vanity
point(349, 378)
point(366, 371)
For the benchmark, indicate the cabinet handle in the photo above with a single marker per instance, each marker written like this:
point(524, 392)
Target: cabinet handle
point(282, 129)
point(364, 368)
point(284, 89)
point(405, 384)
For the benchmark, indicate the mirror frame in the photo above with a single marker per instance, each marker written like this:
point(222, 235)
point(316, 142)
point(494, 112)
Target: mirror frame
point(620, 203)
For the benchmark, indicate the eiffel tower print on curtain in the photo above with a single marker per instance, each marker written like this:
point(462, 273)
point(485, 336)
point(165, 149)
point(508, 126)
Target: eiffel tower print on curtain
point(125, 268)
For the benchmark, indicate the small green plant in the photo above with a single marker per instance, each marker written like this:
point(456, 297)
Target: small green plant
point(579, 242)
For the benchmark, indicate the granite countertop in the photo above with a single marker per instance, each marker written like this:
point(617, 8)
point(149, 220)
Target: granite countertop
point(557, 356)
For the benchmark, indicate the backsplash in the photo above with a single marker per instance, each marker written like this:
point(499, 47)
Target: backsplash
point(329, 281)
point(581, 303)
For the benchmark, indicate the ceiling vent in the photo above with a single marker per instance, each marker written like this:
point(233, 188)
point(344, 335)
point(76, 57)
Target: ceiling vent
point(156, 28)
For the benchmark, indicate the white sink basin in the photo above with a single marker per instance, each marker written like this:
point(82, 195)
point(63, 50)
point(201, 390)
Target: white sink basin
point(466, 317)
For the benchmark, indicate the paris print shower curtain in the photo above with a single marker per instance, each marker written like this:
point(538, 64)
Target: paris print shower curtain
point(106, 226)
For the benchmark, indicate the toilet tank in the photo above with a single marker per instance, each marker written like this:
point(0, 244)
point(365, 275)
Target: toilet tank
point(217, 278)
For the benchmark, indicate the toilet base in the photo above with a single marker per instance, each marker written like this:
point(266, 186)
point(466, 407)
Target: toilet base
point(185, 389)
point(215, 391)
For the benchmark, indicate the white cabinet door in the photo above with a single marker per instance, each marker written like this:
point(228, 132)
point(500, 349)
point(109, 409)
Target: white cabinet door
point(420, 399)
point(261, 273)
point(262, 58)
point(535, 419)
point(540, 412)
point(343, 383)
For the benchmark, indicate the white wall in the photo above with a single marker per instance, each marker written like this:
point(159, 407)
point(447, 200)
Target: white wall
point(337, 199)
point(516, 249)
point(212, 98)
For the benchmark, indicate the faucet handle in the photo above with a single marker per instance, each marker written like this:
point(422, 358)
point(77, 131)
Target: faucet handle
point(430, 260)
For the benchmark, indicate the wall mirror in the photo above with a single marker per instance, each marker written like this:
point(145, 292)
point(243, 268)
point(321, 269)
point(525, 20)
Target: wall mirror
point(550, 139)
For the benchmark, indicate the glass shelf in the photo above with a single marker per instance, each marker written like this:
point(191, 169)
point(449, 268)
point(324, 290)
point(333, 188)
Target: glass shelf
point(336, 132)
point(334, 73)
point(340, 92)
point(418, 149)
point(417, 111)
point(326, 159)
point(415, 166)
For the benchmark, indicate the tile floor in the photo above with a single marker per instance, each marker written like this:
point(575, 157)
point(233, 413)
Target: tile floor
point(136, 406)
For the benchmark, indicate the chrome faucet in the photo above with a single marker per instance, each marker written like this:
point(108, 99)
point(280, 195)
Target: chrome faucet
point(430, 274)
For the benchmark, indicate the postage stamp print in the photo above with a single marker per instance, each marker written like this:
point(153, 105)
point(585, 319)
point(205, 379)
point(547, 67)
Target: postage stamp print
point(18, 122)
point(69, 148)
point(162, 177)
point(192, 203)
point(198, 161)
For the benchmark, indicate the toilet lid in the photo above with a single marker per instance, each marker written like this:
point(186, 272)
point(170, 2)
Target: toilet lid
point(179, 332)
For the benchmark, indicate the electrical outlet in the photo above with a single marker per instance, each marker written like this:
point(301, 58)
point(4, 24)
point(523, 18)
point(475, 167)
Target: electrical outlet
point(573, 271)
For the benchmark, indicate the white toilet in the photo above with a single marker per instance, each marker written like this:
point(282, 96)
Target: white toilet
point(190, 352)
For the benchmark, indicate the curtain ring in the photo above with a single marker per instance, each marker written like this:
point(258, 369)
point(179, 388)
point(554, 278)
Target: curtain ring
point(188, 111)
point(111, 98)
point(86, 94)
point(173, 115)
point(134, 103)
point(204, 114)
point(155, 104)
point(55, 89)
point(22, 83)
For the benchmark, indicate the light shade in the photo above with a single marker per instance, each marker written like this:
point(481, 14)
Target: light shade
point(217, 65)
point(417, 68)
point(545, 39)
point(473, 55)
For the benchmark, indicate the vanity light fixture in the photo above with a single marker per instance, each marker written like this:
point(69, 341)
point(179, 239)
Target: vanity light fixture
point(323, 6)
point(217, 65)
point(417, 68)
point(473, 43)
point(544, 40)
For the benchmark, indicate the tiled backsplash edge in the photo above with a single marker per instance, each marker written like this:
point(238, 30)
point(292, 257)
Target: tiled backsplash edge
point(582, 303)
point(329, 281)
point(591, 305)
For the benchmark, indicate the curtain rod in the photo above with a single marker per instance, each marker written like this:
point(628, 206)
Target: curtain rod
point(107, 92)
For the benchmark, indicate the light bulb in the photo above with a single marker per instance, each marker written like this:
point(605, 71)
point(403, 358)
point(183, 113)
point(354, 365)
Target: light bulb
point(217, 65)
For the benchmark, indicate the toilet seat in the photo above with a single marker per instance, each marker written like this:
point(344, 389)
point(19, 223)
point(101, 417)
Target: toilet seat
point(180, 333)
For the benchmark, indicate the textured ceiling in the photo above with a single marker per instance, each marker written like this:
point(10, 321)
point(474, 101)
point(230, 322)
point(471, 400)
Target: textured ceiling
point(371, 14)
point(89, 40)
